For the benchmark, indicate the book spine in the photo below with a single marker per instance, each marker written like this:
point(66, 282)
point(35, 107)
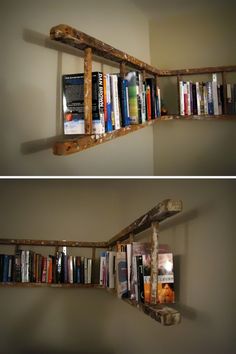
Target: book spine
point(115, 100)
point(147, 277)
point(194, 98)
point(210, 98)
point(133, 101)
point(89, 271)
point(82, 270)
point(105, 99)
point(70, 269)
point(215, 95)
point(111, 269)
point(5, 268)
point(198, 94)
point(109, 104)
point(181, 98)
point(85, 270)
point(148, 102)
point(98, 103)
point(140, 282)
point(78, 269)
point(44, 269)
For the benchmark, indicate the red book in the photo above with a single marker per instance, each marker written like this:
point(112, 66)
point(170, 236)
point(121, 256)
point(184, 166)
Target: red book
point(148, 97)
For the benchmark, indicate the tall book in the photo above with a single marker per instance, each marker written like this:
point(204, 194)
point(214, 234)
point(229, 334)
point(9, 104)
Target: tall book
point(121, 274)
point(115, 101)
point(151, 83)
point(133, 91)
point(73, 103)
point(89, 271)
point(111, 269)
point(166, 292)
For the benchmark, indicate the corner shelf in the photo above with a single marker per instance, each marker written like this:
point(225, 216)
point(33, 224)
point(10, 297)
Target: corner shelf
point(166, 315)
point(90, 45)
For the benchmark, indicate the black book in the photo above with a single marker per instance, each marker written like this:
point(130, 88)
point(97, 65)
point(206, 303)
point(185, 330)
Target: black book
point(194, 99)
point(139, 260)
point(17, 267)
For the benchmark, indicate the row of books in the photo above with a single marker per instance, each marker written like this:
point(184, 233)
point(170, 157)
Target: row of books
point(27, 266)
point(129, 271)
point(206, 98)
point(116, 102)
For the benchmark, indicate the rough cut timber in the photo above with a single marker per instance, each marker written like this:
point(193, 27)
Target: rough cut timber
point(196, 71)
point(80, 40)
point(159, 213)
point(167, 316)
point(6, 241)
point(154, 263)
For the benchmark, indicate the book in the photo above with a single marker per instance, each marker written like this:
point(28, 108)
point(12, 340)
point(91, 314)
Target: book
point(215, 95)
point(148, 102)
point(166, 292)
point(108, 124)
point(70, 269)
point(181, 98)
point(140, 278)
point(121, 274)
point(73, 103)
point(133, 93)
point(124, 101)
point(146, 258)
point(115, 101)
point(89, 271)
point(111, 269)
point(102, 277)
point(152, 83)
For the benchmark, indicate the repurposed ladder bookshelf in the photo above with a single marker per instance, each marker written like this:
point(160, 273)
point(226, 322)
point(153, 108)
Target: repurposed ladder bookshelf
point(90, 45)
point(164, 314)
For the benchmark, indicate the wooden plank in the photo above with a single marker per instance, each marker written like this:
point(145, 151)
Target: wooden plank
point(196, 71)
point(72, 146)
point(88, 91)
point(51, 285)
point(223, 117)
point(81, 40)
point(52, 243)
point(159, 213)
point(163, 314)
point(154, 263)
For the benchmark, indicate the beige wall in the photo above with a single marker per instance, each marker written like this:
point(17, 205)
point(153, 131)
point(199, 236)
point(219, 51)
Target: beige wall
point(30, 86)
point(92, 321)
point(198, 35)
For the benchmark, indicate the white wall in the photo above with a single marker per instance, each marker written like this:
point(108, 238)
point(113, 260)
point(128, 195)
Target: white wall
point(92, 321)
point(30, 86)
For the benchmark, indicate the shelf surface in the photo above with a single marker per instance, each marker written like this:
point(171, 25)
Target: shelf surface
point(39, 285)
point(162, 313)
point(70, 146)
point(52, 243)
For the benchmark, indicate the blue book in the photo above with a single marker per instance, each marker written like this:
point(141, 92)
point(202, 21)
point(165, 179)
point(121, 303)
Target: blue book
point(5, 268)
point(210, 98)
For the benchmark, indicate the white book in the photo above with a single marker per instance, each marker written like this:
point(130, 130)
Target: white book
point(89, 270)
point(215, 94)
point(102, 280)
point(188, 99)
point(70, 269)
point(181, 98)
point(115, 101)
point(198, 93)
point(85, 270)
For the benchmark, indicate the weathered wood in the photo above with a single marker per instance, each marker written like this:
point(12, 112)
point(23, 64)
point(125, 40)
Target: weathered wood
point(80, 40)
point(122, 69)
point(72, 146)
point(159, 213)
point(196, 71)
point(51, 285)
point(167, 316)
point(88, 91)
point(52, 243)
point(154, 263)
